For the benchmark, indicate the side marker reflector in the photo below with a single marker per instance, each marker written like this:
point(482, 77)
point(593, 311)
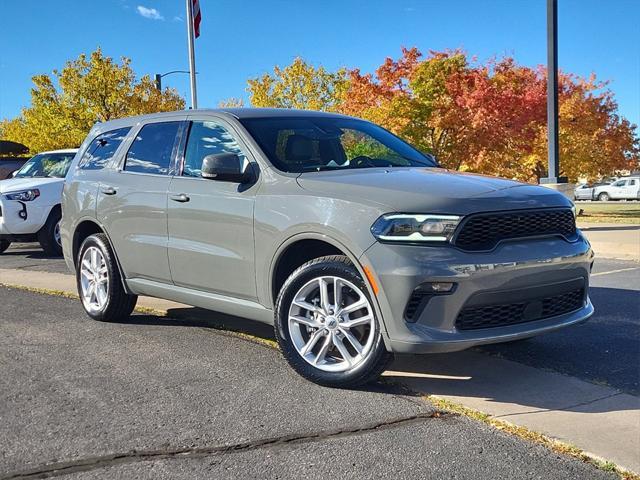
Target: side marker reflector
point(372, 280)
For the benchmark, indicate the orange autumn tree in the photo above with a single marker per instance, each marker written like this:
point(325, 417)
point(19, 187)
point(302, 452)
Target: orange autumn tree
point(492, 118)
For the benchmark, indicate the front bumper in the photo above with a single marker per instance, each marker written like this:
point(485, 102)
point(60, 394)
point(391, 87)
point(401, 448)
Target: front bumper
point(512, 266)
point(20, 219)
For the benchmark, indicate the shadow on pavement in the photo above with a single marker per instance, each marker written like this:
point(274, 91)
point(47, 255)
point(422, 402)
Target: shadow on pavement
point(604, 352)
point(198, 317)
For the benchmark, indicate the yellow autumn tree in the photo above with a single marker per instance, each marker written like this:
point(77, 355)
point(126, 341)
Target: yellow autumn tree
point(299, 85)
point(87, 90)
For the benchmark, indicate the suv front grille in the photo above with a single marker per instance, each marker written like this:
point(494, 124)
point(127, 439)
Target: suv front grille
point(484, 231)
point(505, 314)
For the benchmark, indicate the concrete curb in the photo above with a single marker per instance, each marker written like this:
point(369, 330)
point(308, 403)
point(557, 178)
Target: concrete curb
point(600, 420)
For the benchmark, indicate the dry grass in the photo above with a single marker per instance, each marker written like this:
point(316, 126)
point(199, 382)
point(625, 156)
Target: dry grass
point(619, 212)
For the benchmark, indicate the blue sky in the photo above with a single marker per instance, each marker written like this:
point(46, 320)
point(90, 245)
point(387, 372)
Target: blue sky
point(242, 39)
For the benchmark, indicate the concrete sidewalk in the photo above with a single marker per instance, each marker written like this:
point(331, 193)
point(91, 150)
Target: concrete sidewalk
point(613, 240)
point(598, 419)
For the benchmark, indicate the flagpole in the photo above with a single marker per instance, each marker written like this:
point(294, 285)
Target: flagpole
point(192, 56)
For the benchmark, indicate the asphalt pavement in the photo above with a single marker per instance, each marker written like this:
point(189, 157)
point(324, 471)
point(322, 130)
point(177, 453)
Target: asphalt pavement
point(159, 398)
point(605, 350)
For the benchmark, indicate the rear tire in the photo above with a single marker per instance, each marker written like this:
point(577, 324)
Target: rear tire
point(99, 282)
point(329, 340)
point(604, 197)
point(4, 244)
point(49, 234)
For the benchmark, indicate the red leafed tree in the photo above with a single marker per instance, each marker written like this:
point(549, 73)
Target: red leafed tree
point(492, 118)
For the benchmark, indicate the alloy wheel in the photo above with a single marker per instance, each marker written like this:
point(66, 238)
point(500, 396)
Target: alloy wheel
point(94, 279)
point(332, 325)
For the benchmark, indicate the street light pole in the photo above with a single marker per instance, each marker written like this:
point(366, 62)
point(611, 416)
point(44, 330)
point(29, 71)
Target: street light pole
point(157, 78)
point(552, 96)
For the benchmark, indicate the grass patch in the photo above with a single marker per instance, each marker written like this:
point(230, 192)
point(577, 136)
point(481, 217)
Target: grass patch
point(619, 212)
point(524, 433)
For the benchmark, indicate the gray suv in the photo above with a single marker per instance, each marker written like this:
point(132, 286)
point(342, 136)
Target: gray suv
point(354, 244)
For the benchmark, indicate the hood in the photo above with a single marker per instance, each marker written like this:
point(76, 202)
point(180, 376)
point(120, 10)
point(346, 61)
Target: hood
point(18, 184)
point(430, 190)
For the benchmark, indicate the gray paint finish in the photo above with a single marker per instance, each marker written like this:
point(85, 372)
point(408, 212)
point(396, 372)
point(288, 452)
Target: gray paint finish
point(220, 249)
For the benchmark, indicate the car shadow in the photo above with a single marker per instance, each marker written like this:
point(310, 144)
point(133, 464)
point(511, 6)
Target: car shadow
point(30, 252)
point(521, 374)
point(199, 317)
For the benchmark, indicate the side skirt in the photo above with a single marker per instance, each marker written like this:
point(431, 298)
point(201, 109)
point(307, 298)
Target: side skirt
point(210, 301)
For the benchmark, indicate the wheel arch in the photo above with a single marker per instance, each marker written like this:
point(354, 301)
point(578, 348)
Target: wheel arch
point(333, 247)
point(86, 228)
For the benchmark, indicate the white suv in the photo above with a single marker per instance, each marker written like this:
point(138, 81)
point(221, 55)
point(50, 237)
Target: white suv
point(30, 201)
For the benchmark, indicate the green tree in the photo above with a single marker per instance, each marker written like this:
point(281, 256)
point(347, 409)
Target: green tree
point(299, 85)
point(87, 90)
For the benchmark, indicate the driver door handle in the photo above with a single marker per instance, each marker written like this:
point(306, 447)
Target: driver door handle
point(109, 191)
point(182, 198)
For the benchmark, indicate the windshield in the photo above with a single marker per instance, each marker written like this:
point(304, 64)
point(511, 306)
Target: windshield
point(309, 144)
point(46, 165)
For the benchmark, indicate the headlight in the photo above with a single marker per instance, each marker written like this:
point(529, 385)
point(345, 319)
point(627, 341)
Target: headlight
point(24, 195)
point(398, 227)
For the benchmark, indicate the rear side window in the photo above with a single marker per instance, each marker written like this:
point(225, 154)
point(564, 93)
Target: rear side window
point(632, 182)
point(102, 149)
point(152, 150)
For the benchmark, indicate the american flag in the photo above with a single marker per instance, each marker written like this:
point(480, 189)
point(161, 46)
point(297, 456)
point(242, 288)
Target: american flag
point(197, 16)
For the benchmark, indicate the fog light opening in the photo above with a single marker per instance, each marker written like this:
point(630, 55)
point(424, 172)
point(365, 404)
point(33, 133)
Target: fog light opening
point(439, 287)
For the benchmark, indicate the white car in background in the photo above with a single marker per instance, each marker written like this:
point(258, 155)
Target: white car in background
point(30, 201)
point(583, 192)
point(627, 188)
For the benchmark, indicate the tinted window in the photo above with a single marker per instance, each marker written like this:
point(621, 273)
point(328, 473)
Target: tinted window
point(152, 150)
point(207, 138)
point(620, 183)
point(304, 144)
point(102, 149)
point(632, 182)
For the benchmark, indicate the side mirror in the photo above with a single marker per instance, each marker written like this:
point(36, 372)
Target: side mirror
point(225, 167)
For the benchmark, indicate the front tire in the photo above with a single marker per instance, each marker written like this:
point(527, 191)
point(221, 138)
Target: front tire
point(4, 244)
point(99, 283)
point(326, 325)
point(49, 234)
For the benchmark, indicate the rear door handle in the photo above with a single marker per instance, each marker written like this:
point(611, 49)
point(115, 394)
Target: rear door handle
point(109, 191)
point(182, 198)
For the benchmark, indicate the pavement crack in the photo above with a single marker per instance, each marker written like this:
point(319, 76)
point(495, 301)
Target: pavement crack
point(101, 461)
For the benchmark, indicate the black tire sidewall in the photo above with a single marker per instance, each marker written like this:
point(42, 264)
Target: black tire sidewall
point(4, 244)
point(366, 371)
point(46, 235)
point(119, 304)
